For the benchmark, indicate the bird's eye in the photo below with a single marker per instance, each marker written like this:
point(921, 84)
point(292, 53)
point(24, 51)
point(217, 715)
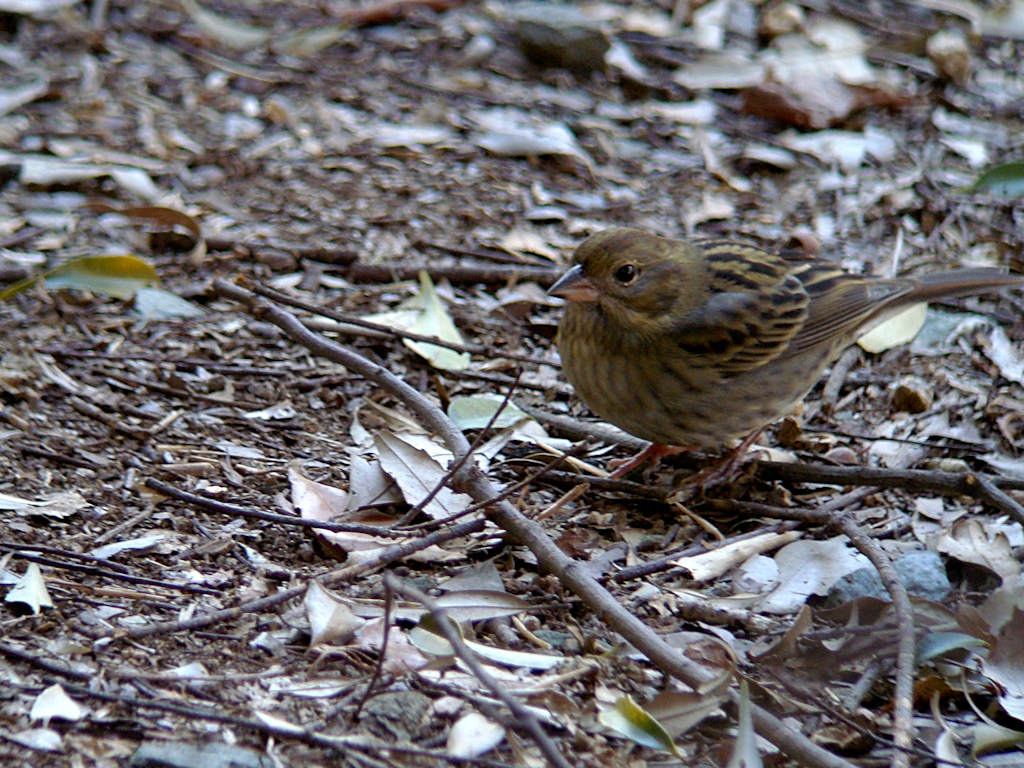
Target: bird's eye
point(626, 274)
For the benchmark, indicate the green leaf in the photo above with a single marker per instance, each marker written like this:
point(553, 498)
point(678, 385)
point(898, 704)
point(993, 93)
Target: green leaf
point(744, 753)
point(632, 721)
point(475, 411)
point(994, 738)
point(1006, 180)
point(937, 644)
point(117, 276)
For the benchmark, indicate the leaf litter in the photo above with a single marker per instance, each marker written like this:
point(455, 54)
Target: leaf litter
point(420, 154)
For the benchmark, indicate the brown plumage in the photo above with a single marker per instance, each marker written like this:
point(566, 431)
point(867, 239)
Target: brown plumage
point(698, 343)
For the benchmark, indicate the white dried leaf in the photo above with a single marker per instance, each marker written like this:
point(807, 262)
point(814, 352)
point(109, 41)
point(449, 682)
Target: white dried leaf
point(847, 149)
point(895, 331)
point(138, 544)
point(417, 474)
point(12, 98)
point(313, 500)
point(31, 590)
point(970, 542)
point(473, 735)
point(330, 619)
point(230, 32)
point(810, 568)
point(54, 702)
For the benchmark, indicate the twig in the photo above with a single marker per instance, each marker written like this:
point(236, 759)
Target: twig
point(665, 562)
point(608, 484)
point(189, 363)
point(330, 579)
point(903, 702)
point(501, 257)
point(486, 274)
point(903, 729)
point(389, 330)
point(59, 458)
point(113, 575)
point(6, 546)
point(840, 370)
point(447, 628)
point(457, 464)
point(184, 394)
point(526, 532)
point(378, 668)
point(997, 497)
point(581, 430)
point(213, 505)
point(982, 487)
point(507, 491)
point(341, 743)
point(823, 515)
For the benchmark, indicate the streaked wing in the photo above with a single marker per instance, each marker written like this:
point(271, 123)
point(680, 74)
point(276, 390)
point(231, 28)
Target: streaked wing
point(841, 304)
point(755, 309)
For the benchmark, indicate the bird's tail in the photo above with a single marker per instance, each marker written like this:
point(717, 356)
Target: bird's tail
point(962, 282)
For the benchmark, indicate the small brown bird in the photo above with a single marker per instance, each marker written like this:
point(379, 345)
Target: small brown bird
point(697, 343)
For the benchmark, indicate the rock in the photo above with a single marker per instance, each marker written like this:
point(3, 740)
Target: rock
point(397, 714)
point(949, 51)
point(912, 395)
point(552, 35)
point(922, 573)
point(843, 454)
point(179, 754)
point(478, 49)
point(781, 18)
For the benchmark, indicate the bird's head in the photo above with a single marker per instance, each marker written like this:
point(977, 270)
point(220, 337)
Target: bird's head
point(639, 280)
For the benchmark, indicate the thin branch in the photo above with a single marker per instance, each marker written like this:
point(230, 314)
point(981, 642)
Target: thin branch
point(985, 488)
point(447, 628)
point(378, 668)
point(331, 579)
point(903, 701)
point(507, 491)
point(341, 743)
point(389, 330)
point(456, 465)
point(528, 533)
point(204, 502)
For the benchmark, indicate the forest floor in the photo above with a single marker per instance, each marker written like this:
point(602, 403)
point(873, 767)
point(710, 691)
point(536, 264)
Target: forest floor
point(209, 522)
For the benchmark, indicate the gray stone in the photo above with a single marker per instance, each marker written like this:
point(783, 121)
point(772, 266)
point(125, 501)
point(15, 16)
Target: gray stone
point(552, 35)
point(180, 754)
point(922, 573)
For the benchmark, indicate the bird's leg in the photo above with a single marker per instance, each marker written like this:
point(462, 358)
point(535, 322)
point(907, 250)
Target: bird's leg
point(726, 467)
point(652, 454)
point(718, 473)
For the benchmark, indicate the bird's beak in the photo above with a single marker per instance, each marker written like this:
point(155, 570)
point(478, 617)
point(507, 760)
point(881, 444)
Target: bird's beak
point(574, 286)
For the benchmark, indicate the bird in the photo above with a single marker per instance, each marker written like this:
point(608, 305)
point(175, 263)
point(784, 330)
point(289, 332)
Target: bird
point(698, 344)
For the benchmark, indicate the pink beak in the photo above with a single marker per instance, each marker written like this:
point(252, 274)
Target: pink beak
point(574, 286)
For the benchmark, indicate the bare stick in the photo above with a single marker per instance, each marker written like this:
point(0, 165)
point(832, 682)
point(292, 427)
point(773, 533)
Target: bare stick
point(528, 533)
point(447, 628)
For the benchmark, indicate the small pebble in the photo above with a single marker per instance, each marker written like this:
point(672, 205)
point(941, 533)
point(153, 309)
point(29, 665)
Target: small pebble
point(949, 51)
point(555, 35)
point(912, 395)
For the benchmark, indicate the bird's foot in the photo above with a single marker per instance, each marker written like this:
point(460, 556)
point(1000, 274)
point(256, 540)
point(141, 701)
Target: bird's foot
point(652, 454)
point(725, 469)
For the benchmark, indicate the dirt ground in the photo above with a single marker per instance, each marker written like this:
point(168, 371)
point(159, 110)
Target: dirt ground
point(180, 476)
